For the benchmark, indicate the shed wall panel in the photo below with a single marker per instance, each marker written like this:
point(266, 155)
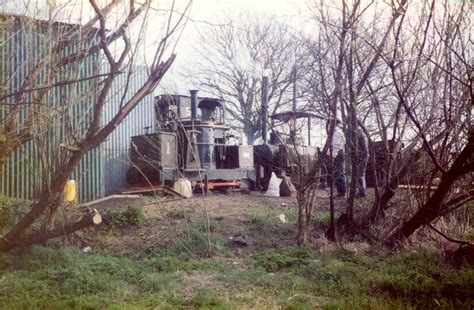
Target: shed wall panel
point(116, 149)
point(21, 174)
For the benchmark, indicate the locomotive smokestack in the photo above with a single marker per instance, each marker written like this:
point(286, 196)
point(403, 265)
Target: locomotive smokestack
point(264, 104)
point(193, 104)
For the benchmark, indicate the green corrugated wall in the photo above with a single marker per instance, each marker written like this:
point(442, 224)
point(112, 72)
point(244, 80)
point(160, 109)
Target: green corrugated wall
point(20, 175)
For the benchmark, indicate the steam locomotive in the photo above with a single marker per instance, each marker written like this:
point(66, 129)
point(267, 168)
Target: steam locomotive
point(193, 140)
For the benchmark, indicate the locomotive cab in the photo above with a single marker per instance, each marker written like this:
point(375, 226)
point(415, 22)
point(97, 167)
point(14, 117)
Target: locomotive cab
point(212, 111)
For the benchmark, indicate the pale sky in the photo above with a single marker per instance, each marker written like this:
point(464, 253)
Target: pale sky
point(203, 13)
point(205, 8)
point(207, 11)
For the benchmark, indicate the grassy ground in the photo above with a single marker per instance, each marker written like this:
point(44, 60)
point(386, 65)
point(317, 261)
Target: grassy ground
point(182, 271)
point(288, 277)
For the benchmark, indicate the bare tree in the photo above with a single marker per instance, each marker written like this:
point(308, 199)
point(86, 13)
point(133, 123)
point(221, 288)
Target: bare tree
point(112, 41)
point(434, 88)
point(235, 53)
point(408, 82)
point(341, 73)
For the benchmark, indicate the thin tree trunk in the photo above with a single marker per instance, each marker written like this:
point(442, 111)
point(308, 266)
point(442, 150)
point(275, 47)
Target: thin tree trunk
point(463, 164)
point(331, 232)
point(86, 221)
point(50, 197)
point(300, 226)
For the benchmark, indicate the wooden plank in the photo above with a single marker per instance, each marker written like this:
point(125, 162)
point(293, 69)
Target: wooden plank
point(140, 190)
point(418, 187)
point(151, 189)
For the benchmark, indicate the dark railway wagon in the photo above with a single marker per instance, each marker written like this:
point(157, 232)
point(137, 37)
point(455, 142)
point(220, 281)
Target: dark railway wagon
point(280, 153)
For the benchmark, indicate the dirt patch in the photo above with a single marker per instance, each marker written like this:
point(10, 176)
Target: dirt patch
point(229, 214)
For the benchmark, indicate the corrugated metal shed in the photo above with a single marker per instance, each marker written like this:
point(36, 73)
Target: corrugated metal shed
point(115, 150)
point(16, 176)
point(20, 48)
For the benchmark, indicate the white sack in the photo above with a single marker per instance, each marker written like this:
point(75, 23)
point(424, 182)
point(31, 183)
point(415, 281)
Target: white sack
point(274, 186)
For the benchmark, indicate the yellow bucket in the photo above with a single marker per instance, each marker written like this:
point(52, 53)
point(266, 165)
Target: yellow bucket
point(70, 191)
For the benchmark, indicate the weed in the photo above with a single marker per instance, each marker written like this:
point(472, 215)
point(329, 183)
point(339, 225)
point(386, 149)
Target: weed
point(131, 216)
point(212, 226)
point(206, 298)
point(276, 260)
point(266, 225)
point(167, 263)
point(198, 241)
point(5, 260)
point(259, 220)
point(151, 198)
point(176, 214)
point(297, 302)
point(11, 209)
point(157, 282)
point(321, 219)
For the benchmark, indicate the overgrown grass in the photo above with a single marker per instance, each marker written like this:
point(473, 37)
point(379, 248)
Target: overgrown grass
point(131, 216)
point(199, 239)
point(288, 277)
point(276, 260)
point(266, 224)
point(199, 270)
point(267, 228)
point(343, 280)
point(49, 278)
point(11, 209)
point(470, 211)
